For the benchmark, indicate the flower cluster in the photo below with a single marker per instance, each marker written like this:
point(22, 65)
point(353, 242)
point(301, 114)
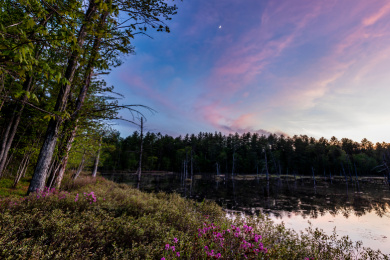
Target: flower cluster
point(241, 240)
point(41, 194)
point(171, 250)
point(211, 253)
point(45, 193)
point(90, 197)
point(216, 242)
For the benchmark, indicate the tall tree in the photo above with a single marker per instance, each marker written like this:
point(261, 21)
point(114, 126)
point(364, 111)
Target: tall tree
point(118, 35)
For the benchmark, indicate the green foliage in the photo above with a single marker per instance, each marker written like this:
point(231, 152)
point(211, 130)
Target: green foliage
point(123, 222)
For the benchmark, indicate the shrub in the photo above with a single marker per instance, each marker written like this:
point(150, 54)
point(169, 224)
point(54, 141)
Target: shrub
point(103, 220)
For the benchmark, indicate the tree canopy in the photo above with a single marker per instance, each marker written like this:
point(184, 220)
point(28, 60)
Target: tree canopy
point(52, 54)
point(249, 153)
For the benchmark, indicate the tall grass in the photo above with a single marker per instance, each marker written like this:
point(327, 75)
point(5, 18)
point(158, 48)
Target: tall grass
point(98, 219)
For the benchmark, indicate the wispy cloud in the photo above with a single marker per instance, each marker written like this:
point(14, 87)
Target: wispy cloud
point(383, 11)
point(298, 66)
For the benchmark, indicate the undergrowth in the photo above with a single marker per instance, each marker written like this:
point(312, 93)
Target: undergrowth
point(98, 219)
point(7, 189)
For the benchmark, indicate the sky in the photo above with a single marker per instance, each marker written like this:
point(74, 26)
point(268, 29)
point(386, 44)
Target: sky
point(294, 67)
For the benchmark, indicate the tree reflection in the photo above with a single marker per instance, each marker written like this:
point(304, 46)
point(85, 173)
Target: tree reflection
point(292, 195)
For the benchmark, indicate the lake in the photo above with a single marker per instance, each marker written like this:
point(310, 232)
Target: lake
point(360, 209)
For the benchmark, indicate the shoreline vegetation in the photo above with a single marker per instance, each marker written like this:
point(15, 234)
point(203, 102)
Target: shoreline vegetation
point(94, 218)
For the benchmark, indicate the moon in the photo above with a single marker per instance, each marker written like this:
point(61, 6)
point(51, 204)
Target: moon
point(220, 27)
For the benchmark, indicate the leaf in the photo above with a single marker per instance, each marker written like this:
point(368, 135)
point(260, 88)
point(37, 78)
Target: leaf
point(34, 97)
point(58, 76)
point(18, 94)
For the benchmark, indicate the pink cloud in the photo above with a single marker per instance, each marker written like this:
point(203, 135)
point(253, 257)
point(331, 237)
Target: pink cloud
point(246, 58)
point(244, 120)
point(212, 113)
point(384, 10)
point(249, 57)
point(354, 54)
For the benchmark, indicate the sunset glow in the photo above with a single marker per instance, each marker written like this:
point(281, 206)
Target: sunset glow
point(319, 68)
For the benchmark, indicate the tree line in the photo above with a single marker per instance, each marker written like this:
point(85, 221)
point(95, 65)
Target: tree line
point(249, 153)
point(55, 107)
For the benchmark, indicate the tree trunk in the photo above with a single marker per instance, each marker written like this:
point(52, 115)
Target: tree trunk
point(1, 90)
point(5, 138)
point(59, 174)
point(186, 165)
point(139, 170)
point(266, 164)
point(356, 174)
point(342, 165)
point(234, 160)
point(192, 168)
point(314, 179)
point(96, 163)
point(25, 162)
point(13, 124)
point(9, 140)
point(22, 168)
point(66, 145)
point(80, 168)
point(46, 153)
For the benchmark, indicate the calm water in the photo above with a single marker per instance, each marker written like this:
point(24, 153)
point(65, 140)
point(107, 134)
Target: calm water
point(359, 210)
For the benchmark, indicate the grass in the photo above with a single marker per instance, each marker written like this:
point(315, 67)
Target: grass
point(99, 219)
point(7, 190)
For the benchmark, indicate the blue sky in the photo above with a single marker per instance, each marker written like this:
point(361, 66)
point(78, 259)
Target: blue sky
point(319, 68)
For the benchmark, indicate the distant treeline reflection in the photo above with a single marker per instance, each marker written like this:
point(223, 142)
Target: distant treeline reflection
point(279, 196)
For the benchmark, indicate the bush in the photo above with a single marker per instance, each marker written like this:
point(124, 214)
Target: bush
point(103, 220)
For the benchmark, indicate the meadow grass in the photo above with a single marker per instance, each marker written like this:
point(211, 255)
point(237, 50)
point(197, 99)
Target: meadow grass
point(7, 190)
point(99, 219)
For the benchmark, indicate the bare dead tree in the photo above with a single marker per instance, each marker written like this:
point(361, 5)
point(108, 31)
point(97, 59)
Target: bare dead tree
point(139, 170)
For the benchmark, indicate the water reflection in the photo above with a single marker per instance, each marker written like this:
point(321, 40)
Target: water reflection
point(359, 209)
point(250, 194)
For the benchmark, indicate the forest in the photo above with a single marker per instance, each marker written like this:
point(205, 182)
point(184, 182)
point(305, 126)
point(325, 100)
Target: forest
point(57, 111)
point(249, 153)
point(57, 133)
point(55, 106)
